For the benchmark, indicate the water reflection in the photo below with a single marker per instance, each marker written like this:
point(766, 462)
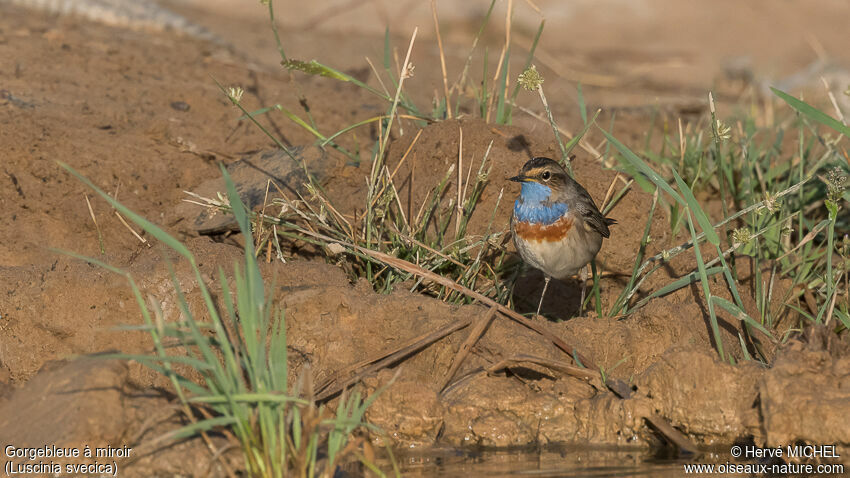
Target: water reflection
point(562, 461)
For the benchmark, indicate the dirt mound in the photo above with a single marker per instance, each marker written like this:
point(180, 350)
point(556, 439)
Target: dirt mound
point(90, 403)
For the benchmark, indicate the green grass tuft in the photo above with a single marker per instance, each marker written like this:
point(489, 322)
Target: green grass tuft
point(240, 355)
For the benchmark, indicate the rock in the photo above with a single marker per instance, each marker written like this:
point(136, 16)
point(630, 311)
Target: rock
point(251, 175)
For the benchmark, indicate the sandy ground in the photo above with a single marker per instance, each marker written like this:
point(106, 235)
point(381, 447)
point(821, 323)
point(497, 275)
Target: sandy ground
point(138, 113)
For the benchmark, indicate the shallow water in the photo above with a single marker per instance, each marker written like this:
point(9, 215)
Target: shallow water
point(565, 461)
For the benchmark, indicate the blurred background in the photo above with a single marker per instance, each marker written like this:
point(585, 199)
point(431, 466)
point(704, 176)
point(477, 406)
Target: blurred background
point(626, 53)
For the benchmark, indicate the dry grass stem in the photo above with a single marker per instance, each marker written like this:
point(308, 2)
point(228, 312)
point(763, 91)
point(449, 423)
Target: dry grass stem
point(504, 52)
point(582, 144)
point(475, 334)
point(442, 59)
point(459, 205)
point(356, 372)
point(377, 76)
point(140, 238)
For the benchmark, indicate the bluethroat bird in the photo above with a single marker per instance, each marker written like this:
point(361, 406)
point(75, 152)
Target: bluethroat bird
point(556, 226)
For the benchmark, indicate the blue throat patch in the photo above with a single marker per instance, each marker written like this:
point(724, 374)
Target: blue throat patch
point(530, 206)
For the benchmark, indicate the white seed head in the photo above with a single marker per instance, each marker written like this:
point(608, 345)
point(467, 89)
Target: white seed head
point(771, 203)
point(741, 236)
point(724, 132)
point(314, 194)
point(836, 182)
point(323, 215)
point(408, 72)
point(530, 79)
point(235, 94)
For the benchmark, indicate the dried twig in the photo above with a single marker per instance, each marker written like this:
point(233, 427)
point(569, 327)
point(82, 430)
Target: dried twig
point(475, 334)
point(355, 372)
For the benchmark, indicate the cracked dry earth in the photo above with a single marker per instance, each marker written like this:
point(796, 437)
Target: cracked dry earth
point(137, 113)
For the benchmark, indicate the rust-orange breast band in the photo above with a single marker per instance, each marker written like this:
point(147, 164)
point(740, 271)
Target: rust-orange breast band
point(544, 232)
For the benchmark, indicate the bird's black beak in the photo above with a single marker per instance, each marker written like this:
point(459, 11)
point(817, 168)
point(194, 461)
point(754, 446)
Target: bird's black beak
point(519, 179)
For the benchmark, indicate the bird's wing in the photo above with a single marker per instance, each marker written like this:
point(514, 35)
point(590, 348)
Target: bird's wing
point(588, 211)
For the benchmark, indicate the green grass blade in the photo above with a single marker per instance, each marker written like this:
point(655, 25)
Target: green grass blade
point(200, 426)
point(313, 67)
point(300, 122)
point(190, 361)
point(248, 398)
point(696, 209)
point(484, 97)
point(812, 112)
point(800, 311)
point(501, 116)
point(278, 355)
point(90, 260)
point(241, 215)
point(843, 318)
point(148, 226)
point(261, 111)
point(743, 344)
point(703, 275)
point(683, 281)
point(739, 314)
point(582, 109)
point(387, 63)
point(642, 167)
point(351, 127)
point(620, 303)
point(571, 144)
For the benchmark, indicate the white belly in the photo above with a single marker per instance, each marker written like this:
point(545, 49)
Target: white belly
point(562, 258)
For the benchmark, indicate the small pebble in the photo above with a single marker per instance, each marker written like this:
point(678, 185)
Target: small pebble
point(180, 105)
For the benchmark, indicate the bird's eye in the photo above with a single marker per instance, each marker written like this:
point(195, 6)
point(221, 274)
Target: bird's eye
point(546, 175)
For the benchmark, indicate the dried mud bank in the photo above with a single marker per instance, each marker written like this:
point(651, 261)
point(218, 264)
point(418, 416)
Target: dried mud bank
point(801, 397)
point(137, 136)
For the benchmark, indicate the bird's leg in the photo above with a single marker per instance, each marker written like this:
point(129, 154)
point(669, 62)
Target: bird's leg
point(583, 290)
point(545, 285)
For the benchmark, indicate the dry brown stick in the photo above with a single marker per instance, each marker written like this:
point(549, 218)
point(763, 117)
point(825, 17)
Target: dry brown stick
point(555, 365)
point(337, 383)
point(539, 328)
point(475, 334)
point(675, 436)
point(659, 423)
point(609, 193)
point(565, 368)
